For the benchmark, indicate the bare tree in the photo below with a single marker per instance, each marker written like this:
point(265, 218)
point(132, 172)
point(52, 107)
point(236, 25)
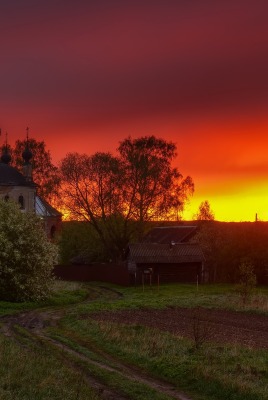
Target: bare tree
point(91, 191)
point(118, 195)
point(153, 190)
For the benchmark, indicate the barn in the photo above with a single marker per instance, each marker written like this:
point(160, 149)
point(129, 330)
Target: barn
point(163, 263)
point(167, 254)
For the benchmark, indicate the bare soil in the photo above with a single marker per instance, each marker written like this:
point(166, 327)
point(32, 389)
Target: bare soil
point(221, 326)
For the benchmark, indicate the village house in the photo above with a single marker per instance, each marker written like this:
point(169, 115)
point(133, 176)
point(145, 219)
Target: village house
point(167, 255)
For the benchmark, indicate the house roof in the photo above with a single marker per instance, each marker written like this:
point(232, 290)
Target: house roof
point(161, 253)
point(43, 209)
point(10, 176)
point(168, 234)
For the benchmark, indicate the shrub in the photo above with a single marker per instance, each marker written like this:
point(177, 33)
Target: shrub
point(247, 280)
point(202, 331)
point(26, 255)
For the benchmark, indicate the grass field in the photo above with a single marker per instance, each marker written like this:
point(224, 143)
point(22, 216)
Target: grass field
point(75, 352)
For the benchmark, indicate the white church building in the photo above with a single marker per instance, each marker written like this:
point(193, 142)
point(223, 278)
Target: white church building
point(20, 188)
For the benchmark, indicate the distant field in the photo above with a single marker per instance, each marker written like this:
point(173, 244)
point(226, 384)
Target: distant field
point(92, 341)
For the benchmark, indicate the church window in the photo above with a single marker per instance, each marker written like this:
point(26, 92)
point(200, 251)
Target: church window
point(21, 202)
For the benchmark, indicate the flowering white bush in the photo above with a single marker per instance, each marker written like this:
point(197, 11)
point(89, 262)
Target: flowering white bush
point(26, 255)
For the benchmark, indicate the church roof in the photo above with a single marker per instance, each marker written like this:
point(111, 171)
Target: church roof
point(44, 209)
point(10, 176)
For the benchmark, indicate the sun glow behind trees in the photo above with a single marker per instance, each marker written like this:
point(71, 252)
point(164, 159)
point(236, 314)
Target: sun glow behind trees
point(235, 197)
point(118, 195)
point(234, 207)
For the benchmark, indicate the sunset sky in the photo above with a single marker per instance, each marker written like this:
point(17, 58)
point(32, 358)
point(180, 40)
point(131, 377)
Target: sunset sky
point(84, 75)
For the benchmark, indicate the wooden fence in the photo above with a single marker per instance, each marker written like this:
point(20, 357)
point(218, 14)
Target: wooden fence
point(113, 273)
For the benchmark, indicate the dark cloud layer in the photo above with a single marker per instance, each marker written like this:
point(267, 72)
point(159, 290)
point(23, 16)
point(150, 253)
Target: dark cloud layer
point(133, 58)
point(193, 71)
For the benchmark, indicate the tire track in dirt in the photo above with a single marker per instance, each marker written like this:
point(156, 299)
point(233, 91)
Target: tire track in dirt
point(35, 323)
point(124, 371)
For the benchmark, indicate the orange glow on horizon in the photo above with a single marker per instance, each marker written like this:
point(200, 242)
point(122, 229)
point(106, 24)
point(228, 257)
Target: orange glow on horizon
point(227, 161)
point(233, 208)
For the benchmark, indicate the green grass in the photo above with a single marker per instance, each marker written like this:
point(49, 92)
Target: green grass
point(171, 295)
point(36, 374)
point(62, 294)
point(181, 295)
point(213, 372)
point(134, 390)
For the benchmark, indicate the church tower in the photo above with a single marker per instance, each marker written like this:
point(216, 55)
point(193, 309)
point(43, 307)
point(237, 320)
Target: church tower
point(21, 188)
point(15, 185)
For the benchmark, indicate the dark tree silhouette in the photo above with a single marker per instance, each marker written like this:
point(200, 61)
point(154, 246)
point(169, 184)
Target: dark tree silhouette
point(118, 195)
point(91, 192)
point(204, 212)
point(153, 190)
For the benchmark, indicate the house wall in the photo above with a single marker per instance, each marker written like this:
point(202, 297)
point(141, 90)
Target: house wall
point(168, 273)
point(119, 274)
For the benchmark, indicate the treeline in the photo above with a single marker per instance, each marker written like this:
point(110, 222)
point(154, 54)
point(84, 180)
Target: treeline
point(227, 245)
point(79, 243)
point(117, 194)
